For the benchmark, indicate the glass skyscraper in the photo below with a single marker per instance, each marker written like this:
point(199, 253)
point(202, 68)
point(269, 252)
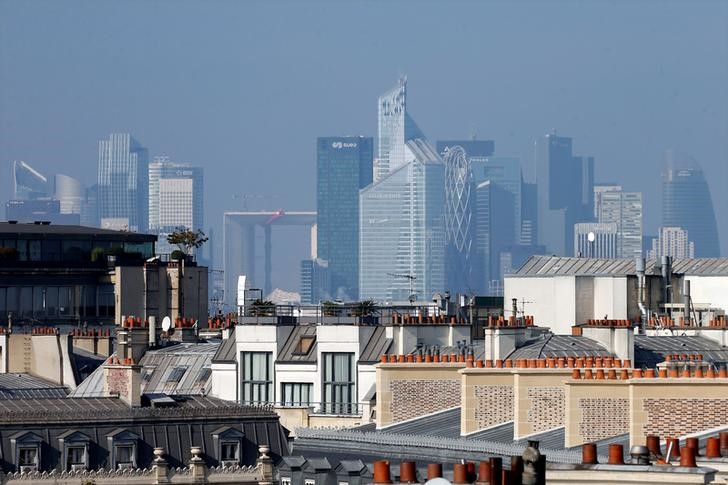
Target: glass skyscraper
point(343, 167)
point(123, 182)
point(625, 210)
point(686, 203)
point(28, 183)
point(402, 236)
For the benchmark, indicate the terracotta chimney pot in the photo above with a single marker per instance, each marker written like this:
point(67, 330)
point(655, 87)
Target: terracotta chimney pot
point(675, 447)
point(686, 371)
point(723, 372)
point(460, 473)
point(627, 363)
point(588, 374)
point(616, 454)
point(699, 371)
point(687, 457)
point(589, 454)
point(509, 363)
point(662, 373)
point(612, 375)
point(541, 363)
point(407, 472)
point(712, 447)
point(418, 358)
point(600, 374)
point(488, 363)
point(484, 472)
point(434, 470)
point(479, 363)
point(410, 358)
point(693, 443)
point(576, 374)
point(381, 472)
point(723, 436)
point(653, 444)
point(499, 364)
point(636, 373)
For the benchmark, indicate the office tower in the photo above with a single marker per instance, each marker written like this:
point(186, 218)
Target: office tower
point(70, 193)
point(565, 193)
point(402, 229)
point(673, 242)
point(625, 210)
point(90, 208)
point(599, 189)
point(123, 181)
point(28, 183)
point(41, 209)
point(315, 281)
point(596, 240)
point(495, 227)
point(686, 203)
point(396, 127)
point(529, 214)
point(343, 167)
point(462, 158)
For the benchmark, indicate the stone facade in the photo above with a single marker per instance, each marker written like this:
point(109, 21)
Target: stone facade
point(603, 418)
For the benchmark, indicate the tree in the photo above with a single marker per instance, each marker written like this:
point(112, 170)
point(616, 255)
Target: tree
point(262, 308)
point(364, 308)
point(187, 240)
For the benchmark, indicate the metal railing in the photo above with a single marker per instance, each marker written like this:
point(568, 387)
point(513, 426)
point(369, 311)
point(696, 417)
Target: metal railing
point(332, 408)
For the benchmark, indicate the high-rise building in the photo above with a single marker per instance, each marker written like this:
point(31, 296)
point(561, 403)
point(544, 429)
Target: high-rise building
point(40, 209)
point(343, 167)
point(396, 127)
point(123, 181)
point(625, 210)
point(599, 189)
point(673, 242)
point(70, 193)
point(402, 229)
point(176, 199)
point(686, 203)
point(315, 281)
point(565, 193)
point(596, 240)
point(28, 183)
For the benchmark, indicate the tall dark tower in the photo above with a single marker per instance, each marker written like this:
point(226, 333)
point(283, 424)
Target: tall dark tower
point(344, 165)
point(686, 203)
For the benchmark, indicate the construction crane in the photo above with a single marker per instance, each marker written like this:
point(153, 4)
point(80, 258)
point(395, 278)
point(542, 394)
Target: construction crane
point(411, 279)
point(245, 197)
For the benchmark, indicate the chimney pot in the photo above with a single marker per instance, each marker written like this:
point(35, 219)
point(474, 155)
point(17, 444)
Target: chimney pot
point(636, 373)
point(723, 436)
point(576, 374)
point(589, 454)
point(407, 472)
point(653, 444)
point(484, 472)
point(675, 447)
point(460, 473)
point(588, 374)
point(381, 472)
point(662, 373)
point(687, 457)
point(712, 447)
point(616, 454)
point(496, 467)
point(434, 470)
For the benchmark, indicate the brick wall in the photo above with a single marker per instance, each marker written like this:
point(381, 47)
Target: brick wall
point(417, 397)
point(493, 405)
point(547, 408)
point(678, 417)
point(117, 382)
point(603, 418)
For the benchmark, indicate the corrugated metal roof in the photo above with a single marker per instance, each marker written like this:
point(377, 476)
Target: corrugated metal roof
point(649, 350)
point(290, 348)
point(445, 423)
point(551, 345)
point(25, 386)
point(563, 266)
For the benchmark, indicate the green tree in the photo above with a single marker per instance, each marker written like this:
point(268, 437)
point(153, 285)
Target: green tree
point(262, 308)
point(187, 240)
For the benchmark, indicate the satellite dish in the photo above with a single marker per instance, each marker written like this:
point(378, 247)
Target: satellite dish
point(591, 236)
point(166, 324)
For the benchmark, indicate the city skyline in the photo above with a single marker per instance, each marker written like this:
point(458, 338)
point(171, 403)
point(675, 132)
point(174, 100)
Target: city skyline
point(619, 131)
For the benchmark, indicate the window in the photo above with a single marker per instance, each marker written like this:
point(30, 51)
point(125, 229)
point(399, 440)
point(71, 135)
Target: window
point(28, 456)
point(124, 455)
point(296, 393)
point(309, 481)
point(176, 374)
point(228, 441)
point(229, 451)
point(285, 480)
point(75, 457)
point(339, 388)
point(304, 344)
point(257, 385)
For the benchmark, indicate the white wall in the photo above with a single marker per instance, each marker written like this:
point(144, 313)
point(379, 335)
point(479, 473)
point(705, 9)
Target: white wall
point(610, 297)
point(224, 381)
point(551, 300)
point(709, 289)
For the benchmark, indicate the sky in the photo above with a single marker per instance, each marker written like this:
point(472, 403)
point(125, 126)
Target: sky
point(243, 88)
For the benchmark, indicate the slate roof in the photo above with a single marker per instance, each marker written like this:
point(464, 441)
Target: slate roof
point(25, 386)
point(373, 342)
point(550, 345)
point(179, 369)
point(226, 352)
point(59, 229)
point(651, 350)
point(562, 266)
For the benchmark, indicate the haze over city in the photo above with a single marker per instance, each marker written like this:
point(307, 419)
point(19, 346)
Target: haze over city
point(244, 88)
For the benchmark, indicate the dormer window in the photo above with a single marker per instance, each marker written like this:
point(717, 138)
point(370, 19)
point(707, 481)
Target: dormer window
point(74, 446)
point(26, 449)
point(123, 447)
point(228, 443)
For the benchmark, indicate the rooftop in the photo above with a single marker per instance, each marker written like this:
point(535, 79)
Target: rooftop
point(26, 386)
point(27, 229)
point(563, 266)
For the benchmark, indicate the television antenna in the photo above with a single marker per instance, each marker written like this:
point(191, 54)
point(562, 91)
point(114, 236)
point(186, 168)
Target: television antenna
point(411, 278)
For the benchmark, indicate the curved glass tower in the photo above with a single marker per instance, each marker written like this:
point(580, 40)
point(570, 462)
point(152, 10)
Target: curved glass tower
point(458, 216)
point(686, 203)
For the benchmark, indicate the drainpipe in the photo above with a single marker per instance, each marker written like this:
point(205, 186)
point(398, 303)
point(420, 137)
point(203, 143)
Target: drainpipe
point(640, 267)
point(666, 278)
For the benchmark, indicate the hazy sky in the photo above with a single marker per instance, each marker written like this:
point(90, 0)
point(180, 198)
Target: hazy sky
point(243, 88)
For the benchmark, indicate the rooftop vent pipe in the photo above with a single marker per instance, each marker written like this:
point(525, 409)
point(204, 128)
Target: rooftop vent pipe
point(640, 269)
point(666, 269)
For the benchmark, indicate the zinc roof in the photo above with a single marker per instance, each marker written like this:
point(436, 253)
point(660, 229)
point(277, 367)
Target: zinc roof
point(550, 345)
point(570, 266)
point(25, 386)
point(289, 353)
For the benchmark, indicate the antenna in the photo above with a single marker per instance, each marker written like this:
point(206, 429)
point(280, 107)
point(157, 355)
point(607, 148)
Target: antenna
point(166, 324)
point(411, 279)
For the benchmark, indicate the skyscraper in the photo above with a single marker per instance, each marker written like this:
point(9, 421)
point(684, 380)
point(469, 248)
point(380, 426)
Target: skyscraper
point(625, 210)
point(402, 229)
point(123, 183)
point(596, 240)
point(686, 203)
point(565, 193)
point(395, 128)
point(673, 242)
point(343, 167)
point(176, 199)
point(28, 183)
